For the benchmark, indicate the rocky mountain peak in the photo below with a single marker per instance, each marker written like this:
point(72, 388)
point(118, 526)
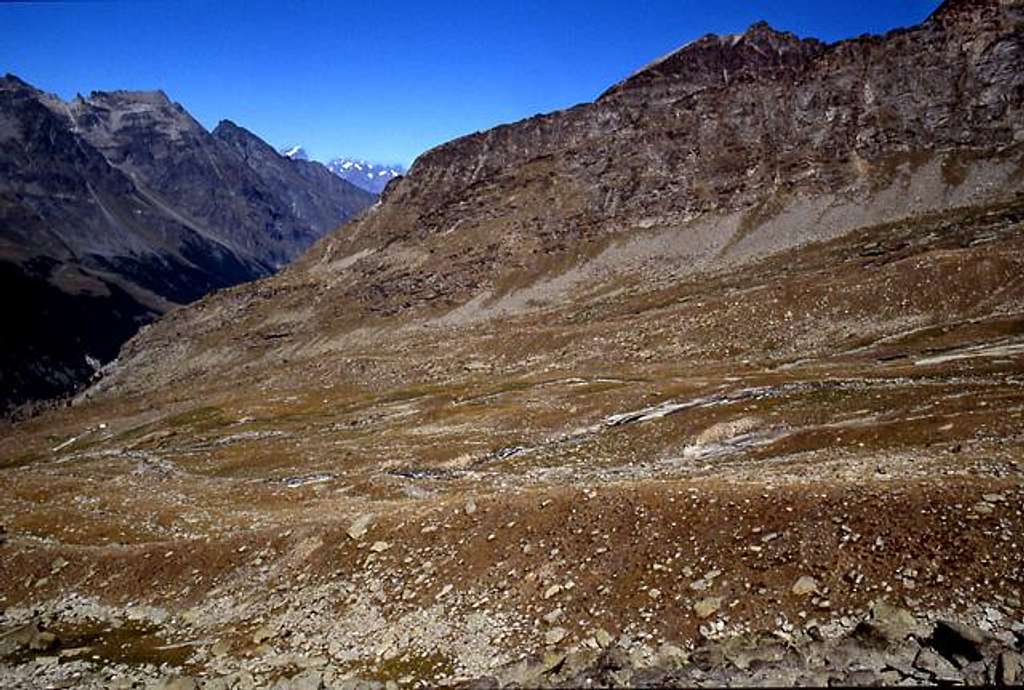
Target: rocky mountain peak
point(763, 33)
point(718, 60)
point(295, 153)
point(9, 82)
point(122, 114)
point(959, 10)
point(244, 141)
point(123, 98)
point(225, 126)
point(227, 129)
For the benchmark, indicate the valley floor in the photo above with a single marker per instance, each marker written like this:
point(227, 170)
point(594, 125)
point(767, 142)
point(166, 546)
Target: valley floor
point(809, 470)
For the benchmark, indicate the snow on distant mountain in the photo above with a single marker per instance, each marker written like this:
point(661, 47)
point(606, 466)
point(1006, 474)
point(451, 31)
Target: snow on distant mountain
point(372, 177)
point(295, 153)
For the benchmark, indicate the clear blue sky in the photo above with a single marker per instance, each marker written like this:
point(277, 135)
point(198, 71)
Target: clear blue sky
point(384, 79)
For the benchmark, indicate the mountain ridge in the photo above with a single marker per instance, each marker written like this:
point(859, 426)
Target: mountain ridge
point(124, 193)
point(448, 234)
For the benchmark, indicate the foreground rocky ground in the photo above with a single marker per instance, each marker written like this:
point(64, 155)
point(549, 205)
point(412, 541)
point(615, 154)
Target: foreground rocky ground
point(656, 489)
point(890, 646)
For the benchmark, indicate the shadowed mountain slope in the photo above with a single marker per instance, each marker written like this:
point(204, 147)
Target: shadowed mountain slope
point(124, 201)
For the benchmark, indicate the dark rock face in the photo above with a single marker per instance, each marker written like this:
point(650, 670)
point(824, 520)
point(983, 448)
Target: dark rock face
point(315, 196)
point(57, 332)
point(117, 207)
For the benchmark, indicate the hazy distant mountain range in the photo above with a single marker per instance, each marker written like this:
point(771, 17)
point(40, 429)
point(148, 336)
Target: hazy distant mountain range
point(372, 177)
point(117, 206)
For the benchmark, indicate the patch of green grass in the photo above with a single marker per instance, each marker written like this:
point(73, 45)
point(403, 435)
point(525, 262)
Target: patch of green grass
point(424, 667)
point(198, 419)
point(133, 643)
point(134, 433)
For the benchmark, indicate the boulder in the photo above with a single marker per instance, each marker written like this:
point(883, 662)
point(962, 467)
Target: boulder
point(554, 636)
point(937, 667)
point(952, 639)
point(28, 637)
point(360, 526)
point(1010, 669)
point(887, 626)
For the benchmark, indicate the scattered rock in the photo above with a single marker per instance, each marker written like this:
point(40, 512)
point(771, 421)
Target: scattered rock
point(804, 586)
point(380, 546)
point(940, 669)
point(360, 526)
point(707, 606)
point(1010, 669)
point(554, 636)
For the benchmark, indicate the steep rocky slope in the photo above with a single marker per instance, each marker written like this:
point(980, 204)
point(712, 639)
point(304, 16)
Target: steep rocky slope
point(316, 198)
point(786, 142)
point(117, 207)
point(714, 380)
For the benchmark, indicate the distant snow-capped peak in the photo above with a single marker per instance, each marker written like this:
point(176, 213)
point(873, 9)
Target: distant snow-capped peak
point(295, 153)
point(372, 177)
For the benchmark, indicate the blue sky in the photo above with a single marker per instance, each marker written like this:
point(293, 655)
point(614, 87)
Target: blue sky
point(385, 79)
